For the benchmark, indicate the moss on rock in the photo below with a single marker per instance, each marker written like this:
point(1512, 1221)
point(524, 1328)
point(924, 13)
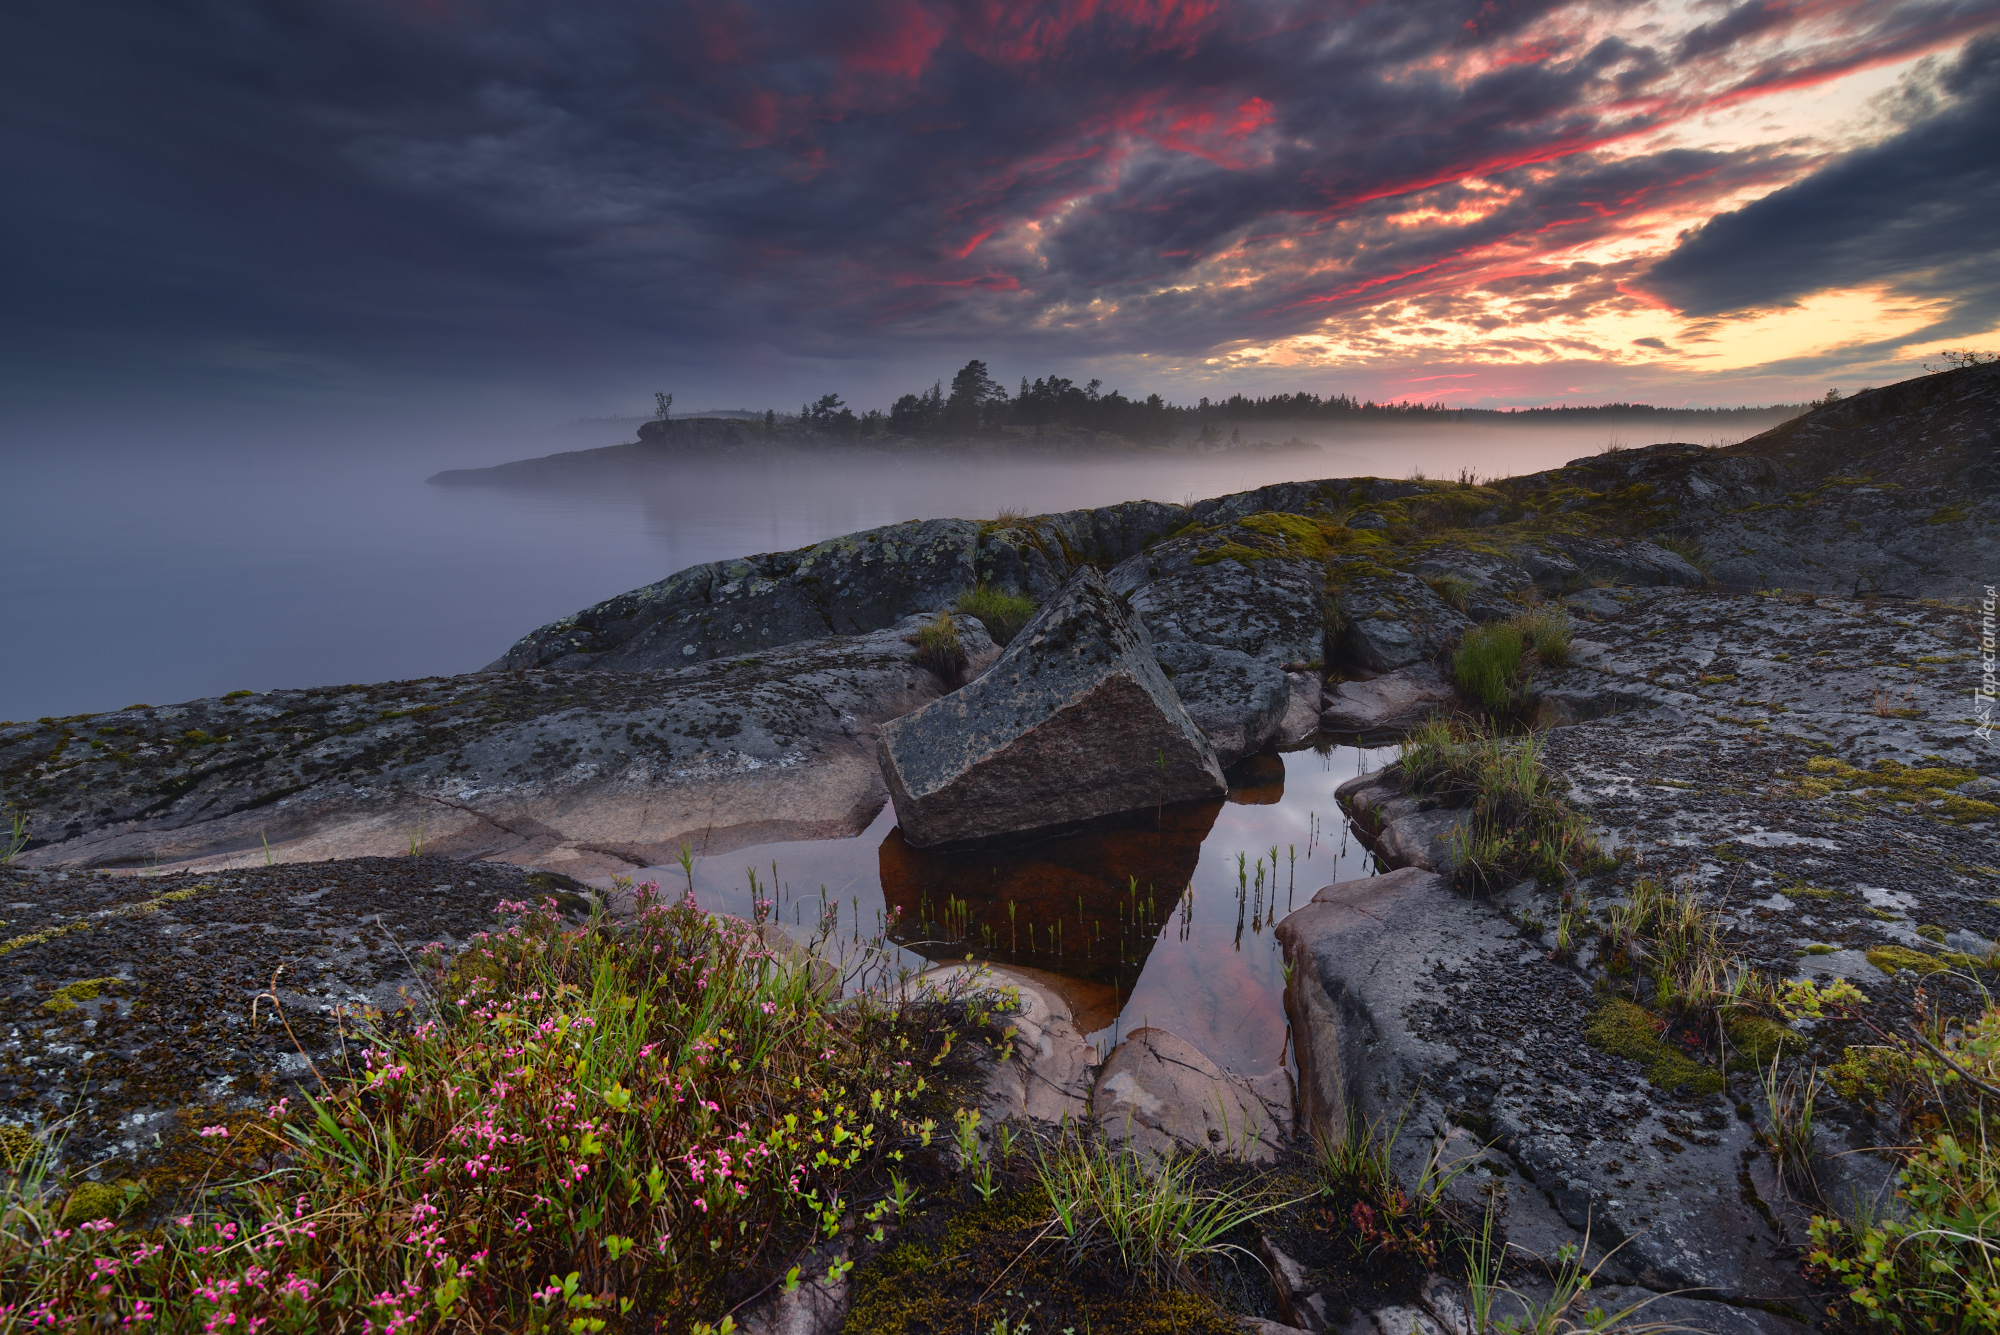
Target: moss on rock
point(1626, 1029)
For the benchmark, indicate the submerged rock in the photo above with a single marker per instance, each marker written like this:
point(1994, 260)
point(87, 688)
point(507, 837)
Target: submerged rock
point(1074, 721)
point(1047, 1077)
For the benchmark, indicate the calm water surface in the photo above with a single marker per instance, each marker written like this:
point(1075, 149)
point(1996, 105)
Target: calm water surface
point(1162, 919)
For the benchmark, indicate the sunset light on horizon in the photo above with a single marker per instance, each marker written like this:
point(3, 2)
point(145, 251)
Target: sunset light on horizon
point(1483, 203)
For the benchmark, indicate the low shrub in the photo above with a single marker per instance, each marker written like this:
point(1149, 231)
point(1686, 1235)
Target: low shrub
point(1934, 1263)
point(938, 648)
point(632, 1128)
point(1002, 613)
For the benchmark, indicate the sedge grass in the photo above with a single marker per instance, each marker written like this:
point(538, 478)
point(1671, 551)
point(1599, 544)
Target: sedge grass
point(1151, 1216)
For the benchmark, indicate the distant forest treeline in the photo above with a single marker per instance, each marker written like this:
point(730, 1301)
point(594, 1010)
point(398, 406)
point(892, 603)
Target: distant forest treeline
point(976, 402)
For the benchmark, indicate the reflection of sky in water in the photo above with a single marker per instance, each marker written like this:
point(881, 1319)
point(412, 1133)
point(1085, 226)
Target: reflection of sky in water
point(1213, 972)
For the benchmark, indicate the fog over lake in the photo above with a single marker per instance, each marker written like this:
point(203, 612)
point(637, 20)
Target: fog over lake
point(153, 566)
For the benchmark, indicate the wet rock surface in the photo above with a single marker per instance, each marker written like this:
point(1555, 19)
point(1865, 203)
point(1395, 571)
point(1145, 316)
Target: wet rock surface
point(1414, 1003)
point(1074, 721)
point(165, 1036)
point(1046, 1079)
point(1811, 769)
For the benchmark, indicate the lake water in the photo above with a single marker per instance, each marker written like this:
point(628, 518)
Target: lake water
point(1164, 918)
point(144, 565)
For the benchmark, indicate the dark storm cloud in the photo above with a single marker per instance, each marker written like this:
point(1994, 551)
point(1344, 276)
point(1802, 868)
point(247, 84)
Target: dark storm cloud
point(1920, 211)
point(220, 187)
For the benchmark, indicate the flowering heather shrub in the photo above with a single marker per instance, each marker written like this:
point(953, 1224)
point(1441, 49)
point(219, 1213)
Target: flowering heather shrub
point(629, 1129)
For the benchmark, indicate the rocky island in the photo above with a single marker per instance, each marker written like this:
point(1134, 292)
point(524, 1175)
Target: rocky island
point(1698, 794)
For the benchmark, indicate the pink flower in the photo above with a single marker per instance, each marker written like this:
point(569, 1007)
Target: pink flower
point(215, 1131)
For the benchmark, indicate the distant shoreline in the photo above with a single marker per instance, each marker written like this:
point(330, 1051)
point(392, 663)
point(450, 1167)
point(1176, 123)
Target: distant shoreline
point(748, 438)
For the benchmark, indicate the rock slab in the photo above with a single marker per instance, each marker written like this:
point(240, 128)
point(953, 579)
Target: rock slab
point(1046, 1078)
point(1397, 699)
point(1160, 1094)
point(1074, 721)
point(1237, 701)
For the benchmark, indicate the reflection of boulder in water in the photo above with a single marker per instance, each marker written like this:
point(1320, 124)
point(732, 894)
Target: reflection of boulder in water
point(1258, 781)
point(1087, 904)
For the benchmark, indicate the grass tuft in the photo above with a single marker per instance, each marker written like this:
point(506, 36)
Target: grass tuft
point(1495, 663)
point(1521, 826)
point(1002, 613)
point(938, 648)
point(1150, 1216)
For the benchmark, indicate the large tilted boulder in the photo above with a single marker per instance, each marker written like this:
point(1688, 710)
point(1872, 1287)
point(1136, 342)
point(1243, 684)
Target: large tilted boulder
point(1075, 720)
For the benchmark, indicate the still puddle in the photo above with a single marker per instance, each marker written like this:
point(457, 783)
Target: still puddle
point(1160, 918)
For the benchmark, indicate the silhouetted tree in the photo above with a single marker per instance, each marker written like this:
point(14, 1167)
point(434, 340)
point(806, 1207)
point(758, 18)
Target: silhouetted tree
point(832, 416)
point(663, 406)
point(918, 414)
point(977, 399)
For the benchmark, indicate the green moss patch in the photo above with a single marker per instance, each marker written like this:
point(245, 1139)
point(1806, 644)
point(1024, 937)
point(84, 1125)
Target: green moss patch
point(1889, 959)
point(1626, 1029)
point(66, 997)
point(1760, 1040)
point(1800, 890)
point(1895, 781)
point(16, 1143)
point(100, 1200)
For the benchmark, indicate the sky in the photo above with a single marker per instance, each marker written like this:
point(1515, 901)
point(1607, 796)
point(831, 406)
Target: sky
point(533, 207)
